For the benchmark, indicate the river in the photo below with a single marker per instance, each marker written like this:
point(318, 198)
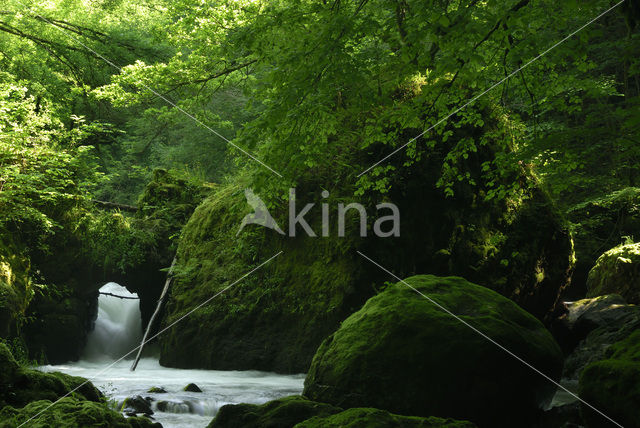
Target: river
point(118, 330)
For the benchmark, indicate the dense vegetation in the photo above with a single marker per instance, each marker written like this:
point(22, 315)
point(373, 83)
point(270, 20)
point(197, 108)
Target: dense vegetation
point(129, 130)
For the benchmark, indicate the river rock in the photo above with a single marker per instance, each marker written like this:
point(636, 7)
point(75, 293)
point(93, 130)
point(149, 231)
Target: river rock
point(367, 417)
point(403, 354)
point(192, 387)
point(157, 390)
point(135, 405)
point(612, 385)
point(617, 271)
point(281, 413)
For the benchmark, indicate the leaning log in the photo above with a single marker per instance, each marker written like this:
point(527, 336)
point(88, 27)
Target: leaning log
point(167, 283)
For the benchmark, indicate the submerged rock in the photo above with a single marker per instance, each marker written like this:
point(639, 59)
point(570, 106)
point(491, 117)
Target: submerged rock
point(136, 404)
point(374, 418)
point(282, 413)
point(617, 271)
point(612, 385)
point(192, 387)
point(70, 413)
point(403, 354)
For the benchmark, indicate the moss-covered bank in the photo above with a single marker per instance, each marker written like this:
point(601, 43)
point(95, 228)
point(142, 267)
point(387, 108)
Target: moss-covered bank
point(26, 392)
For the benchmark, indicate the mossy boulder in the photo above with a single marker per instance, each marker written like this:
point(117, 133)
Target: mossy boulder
point(612, 385)
point(375, 418)
point(617, 271)
point(275, 318)
point(602, 327)
point(282, 413)
point(599, 224)
point(70, 413)
point(403, 354)
point(21, 385)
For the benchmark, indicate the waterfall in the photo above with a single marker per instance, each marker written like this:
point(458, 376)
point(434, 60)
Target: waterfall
point(118, 328)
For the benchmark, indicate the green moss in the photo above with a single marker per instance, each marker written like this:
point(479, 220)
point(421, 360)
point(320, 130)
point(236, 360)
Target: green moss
point(613, 387)
point(599, 224)
point(21, 385)
point(617, 271)
point(374, 418)
point(15, 287)
point(282, 413)
point(69, 413)
point(275, 318)
point(403, 354)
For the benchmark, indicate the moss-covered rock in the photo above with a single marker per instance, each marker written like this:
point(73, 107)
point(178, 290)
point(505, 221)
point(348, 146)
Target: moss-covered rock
point(282, 413)
point(602, 328)
point(617, 271)
point(599, 224)
point(70, 413)
point(21, 385)
point(402, 353)
point(275, 318)
point(374, 418)
point(612, 385)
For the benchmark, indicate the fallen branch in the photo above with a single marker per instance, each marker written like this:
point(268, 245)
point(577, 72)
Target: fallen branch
point(119, 297)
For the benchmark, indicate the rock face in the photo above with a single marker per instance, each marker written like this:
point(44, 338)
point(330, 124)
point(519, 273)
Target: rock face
point(403, 354)
point(612, 385)
point(617, 271)
point(581, 317)
point(600, 224)
point(282, 413)
point(597, 329)
point(375, 418)
point(276, 318)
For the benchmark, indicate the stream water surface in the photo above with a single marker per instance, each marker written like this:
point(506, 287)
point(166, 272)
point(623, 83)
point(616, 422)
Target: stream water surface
point(118, 330)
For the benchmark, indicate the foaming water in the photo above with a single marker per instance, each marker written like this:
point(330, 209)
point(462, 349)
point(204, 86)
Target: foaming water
point(118, 328)
point(177, 408)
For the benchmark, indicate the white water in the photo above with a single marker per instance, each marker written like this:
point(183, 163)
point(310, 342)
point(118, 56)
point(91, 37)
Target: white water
point(118, 330)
